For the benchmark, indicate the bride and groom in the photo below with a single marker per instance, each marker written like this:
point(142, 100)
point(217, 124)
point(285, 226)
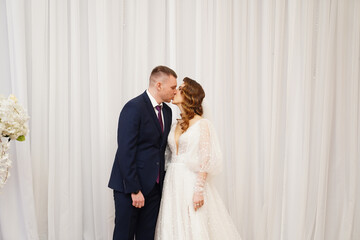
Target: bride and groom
point(184, 204)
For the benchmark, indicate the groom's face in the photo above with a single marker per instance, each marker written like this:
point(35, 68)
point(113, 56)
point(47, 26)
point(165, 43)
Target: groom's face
point(168, 88)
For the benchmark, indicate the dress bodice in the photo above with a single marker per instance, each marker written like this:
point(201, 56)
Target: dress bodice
point(197, 147)
point(186, 142)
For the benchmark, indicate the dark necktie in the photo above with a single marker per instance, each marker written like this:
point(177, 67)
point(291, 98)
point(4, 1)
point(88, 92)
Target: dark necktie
point(158, 108)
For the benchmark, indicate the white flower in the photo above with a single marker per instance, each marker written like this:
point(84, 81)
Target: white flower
point(13, 98)
point(13, 118)
point(13, 126)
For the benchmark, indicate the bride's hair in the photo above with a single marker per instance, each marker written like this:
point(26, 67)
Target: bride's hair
point(193, 95)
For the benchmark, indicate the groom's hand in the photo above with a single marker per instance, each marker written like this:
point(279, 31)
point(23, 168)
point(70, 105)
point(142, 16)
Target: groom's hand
point(138, 199)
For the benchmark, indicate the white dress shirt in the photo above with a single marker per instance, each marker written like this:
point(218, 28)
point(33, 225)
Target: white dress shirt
point(154, 104)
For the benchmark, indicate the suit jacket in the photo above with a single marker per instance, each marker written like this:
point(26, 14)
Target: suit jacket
point(141, 147)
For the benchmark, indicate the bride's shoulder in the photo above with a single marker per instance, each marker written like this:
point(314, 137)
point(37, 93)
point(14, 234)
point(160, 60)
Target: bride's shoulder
point(204, 120)
point(204, 123)
point(196, 119)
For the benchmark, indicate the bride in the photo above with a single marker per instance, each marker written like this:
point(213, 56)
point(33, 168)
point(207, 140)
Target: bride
point(191, 207)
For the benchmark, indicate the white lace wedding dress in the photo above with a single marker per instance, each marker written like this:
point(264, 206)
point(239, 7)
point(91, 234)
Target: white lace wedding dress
point(198, 150)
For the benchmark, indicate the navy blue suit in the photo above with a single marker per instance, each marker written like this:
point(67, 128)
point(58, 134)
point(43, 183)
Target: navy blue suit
point(138, 160)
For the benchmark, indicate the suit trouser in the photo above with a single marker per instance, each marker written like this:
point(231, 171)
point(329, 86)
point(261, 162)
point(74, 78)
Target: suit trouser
point(139, 222)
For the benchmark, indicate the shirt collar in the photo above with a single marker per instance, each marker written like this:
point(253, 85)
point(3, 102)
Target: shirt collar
point(152, 99)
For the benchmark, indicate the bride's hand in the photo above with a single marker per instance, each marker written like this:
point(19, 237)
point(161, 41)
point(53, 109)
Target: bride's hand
point(198, 200)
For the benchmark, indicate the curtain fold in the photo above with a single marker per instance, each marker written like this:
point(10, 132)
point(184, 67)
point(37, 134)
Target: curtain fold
point(17, 209)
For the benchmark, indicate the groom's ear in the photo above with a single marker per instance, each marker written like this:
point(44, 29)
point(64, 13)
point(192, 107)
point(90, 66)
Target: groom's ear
point(158, 85)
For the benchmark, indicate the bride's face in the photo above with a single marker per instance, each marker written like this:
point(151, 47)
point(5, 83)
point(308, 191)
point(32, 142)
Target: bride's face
point(178, 98)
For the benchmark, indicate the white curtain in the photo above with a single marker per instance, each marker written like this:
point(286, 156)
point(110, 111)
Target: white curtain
point(282, 86)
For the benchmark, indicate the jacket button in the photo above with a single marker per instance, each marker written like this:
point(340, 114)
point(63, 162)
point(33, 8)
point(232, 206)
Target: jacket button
point(157, 163)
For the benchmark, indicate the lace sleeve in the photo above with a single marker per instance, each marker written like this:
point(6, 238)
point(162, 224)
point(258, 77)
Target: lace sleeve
point(209, 149)
point(209, 156)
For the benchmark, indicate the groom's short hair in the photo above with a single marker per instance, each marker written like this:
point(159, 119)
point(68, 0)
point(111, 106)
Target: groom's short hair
point(160, 70)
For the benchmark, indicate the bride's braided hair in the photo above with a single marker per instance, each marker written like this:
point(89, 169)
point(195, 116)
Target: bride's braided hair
point(193, 95)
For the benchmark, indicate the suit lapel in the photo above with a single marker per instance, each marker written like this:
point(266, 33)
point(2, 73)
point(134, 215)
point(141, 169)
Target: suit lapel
point(151, 111)
point(167, 119)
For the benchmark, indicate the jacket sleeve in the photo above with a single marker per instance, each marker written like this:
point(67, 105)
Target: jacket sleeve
point(128, 133)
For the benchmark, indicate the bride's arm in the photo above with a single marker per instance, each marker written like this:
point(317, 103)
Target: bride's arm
point(205, 162)
point(198, 198)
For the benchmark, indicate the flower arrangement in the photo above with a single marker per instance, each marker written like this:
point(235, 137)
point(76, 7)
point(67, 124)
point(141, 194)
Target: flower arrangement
point(13, 126)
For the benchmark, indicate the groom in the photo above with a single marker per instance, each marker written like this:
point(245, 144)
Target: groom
point(138, 171)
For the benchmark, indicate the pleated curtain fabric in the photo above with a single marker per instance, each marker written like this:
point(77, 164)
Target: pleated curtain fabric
point(282, 90)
